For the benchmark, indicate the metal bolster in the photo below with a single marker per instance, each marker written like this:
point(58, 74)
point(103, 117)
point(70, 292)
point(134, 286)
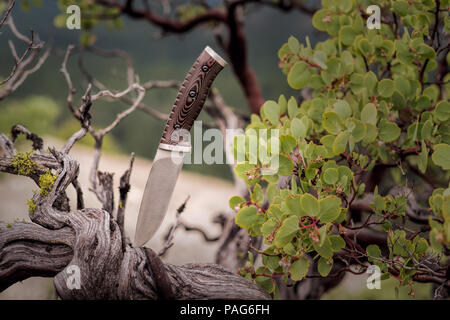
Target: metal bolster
point(214, 55)
point(176, 148)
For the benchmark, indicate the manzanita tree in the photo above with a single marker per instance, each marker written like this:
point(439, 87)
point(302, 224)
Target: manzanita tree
point(366, 158)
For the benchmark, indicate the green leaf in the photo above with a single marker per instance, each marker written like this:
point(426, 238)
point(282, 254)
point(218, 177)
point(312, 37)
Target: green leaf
point(421, 246)
point(266, 283)
point(370, 81)
point(369, 114)
point(298, 129)
point(288, 143)
point(329, 209)
point(241, 170)
point(293, 205)
point(271, 192)
point(386, 88)
point(248, 217)
point(272, 111)
point(365, 47)
point(400, 7)
point(388, 131)
point(287, 231)
point(285, 165)
point(442, 111)
point(347, 35)
point(298, 76)
point(345, 5)
point(357, 129)
point(427, 129)
point(271, 262)
point(332, 122)
point(299, 269)
point(310, 204)
point(373, 250)
point(293, 44)
point(331, 176)
point(441, 156)
point(324, 266)
point(268, 227)
point(422, 161)
point(292, 107)
point(320, 58)
point(337, 243)
point(257, 195)
point(325, 250)
point(318, 20)
point(403, 86)
point(282, 102)
point(342, 108)
point(371, 133)
point(340, 143)
point(235, 201)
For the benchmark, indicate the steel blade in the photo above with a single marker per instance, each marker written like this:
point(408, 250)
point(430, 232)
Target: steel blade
point(158, 191)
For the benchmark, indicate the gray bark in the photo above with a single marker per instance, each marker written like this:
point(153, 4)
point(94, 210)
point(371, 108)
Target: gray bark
point(91, 239)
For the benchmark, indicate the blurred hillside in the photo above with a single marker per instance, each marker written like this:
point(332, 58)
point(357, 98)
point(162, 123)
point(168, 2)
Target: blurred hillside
point(165, 58)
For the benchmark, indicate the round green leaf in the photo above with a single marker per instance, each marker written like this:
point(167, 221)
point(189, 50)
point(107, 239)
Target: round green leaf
point(347, 35)
point(337, 243)
point(292, 107)
point(442, 111)
point(342, 108)
point(298, 76)
point(331, 176)
point(318, 20)
point(235, 201)
point(285, 165)
point(400, 7)
point(374, 251)
point(287, 231)
point(248, 217)
point(340, 143)
point(310, 204)
point(320, 58)
point(272, 111)
point(329, 208)
point(388, 131)
point(332, 122)
point(369, 114)
point(324, 266)
point(299, 269)
point(298, 129)
point(293, 44)
point(441, 156)
point(386, 88)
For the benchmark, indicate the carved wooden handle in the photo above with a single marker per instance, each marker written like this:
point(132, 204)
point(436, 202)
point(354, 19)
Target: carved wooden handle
point(192, 95)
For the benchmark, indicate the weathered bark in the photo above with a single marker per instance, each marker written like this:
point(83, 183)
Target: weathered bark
point(94, 245)
point(91, 239)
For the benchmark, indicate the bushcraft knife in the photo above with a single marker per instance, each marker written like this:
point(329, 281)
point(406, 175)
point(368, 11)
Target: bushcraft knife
point(169, 156)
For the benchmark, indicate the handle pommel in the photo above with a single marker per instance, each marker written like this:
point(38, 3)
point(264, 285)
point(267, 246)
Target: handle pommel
point(192, 95)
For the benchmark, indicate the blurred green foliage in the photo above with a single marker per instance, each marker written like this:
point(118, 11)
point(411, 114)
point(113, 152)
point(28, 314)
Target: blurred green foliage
point(41, 114)
point(389, 290)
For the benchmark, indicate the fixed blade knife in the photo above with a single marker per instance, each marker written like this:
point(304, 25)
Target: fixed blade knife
point(169, 156)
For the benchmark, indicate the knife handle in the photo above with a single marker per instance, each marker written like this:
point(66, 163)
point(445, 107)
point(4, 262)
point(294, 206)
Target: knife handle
point(192, 95)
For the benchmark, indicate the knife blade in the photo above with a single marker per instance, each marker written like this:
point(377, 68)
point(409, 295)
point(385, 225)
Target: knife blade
point(168, 160)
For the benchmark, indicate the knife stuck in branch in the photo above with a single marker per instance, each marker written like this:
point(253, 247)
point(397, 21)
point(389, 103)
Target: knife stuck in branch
point(169, 156)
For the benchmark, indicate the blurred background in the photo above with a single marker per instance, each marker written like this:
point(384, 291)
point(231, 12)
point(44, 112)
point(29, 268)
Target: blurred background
point(40, 104)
